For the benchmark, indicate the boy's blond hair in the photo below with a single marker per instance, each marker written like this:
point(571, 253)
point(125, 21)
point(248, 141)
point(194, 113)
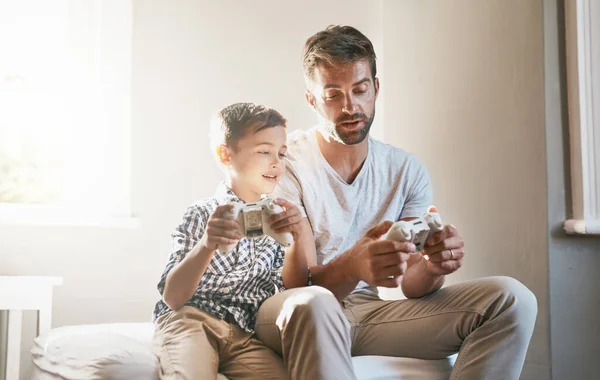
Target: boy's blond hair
point(236, 121)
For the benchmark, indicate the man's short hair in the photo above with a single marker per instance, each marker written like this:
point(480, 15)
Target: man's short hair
point(233, 122)
point(337, 45)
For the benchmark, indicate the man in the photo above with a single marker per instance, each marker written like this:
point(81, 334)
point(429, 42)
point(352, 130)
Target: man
point(351, 187)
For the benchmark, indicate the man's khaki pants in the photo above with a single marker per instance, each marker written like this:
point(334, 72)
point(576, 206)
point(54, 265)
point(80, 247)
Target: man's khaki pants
point(488, 321)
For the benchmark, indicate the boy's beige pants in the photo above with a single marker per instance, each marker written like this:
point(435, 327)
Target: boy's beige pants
point(192, 344)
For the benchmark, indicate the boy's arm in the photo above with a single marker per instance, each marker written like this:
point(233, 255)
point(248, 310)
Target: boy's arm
point(194, 242)
point(302, 253)
point(184, 240)
point(294, 273)
point(182, 281)
point(299, 256)
point(290, 269)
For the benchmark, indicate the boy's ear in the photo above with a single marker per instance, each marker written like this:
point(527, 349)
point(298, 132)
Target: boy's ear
point(223, 154)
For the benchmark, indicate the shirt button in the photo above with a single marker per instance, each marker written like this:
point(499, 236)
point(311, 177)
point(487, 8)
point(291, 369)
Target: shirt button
point(226, 290)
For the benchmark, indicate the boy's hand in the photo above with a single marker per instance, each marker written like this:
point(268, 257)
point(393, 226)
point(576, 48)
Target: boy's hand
point(220, 229)
point(288, 220)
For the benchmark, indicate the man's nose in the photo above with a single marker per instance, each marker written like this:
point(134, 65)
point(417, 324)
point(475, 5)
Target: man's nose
point(349, 105)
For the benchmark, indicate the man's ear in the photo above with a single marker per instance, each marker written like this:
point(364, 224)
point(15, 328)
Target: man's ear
point(223, 154)
point(376, 87)
point(310, 99)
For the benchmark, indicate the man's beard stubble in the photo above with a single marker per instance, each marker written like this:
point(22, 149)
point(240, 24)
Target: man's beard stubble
point(352, 137)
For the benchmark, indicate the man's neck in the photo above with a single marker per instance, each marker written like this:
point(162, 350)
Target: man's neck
point(346, 160)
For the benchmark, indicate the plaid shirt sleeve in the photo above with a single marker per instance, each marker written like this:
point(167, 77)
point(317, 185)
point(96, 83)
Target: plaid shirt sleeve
point(184, 237)
point(276, 270)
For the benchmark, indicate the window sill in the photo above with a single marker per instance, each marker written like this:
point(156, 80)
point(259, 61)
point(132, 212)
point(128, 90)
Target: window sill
point(48, 216)
point(582, 227)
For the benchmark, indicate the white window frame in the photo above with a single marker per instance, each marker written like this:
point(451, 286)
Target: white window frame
point(583, 77)
point(114, 38)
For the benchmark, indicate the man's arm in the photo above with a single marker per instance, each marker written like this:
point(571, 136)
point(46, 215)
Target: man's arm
point(427, 272)
point(303, 255)
point(335, 277)
point(418, 281)
point(377, 262)
point(389, 264)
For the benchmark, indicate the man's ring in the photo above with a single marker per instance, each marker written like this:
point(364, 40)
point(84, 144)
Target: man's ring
point(451, 255)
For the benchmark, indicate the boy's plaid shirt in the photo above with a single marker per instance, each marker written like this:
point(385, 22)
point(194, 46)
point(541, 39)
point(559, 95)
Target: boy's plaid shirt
point(234, 285)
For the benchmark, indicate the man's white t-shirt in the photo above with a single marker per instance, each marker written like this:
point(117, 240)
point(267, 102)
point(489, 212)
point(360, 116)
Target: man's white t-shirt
point(392, 184)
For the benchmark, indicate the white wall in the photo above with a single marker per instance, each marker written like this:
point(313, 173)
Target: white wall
point(465, 91)
point(462, 87)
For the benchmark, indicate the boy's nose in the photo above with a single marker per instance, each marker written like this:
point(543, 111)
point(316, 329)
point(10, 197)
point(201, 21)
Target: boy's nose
point(276, 162)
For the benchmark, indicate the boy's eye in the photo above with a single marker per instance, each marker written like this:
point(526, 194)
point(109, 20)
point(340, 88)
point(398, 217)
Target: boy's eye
point(264, 152)
point(282, 155)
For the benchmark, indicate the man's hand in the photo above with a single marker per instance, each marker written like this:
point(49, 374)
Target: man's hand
point(379, 262)
point(444, 251)
point(220, 229)
point(288, 220)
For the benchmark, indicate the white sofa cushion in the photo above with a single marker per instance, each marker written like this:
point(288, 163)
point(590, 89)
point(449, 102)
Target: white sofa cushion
point(124, 351)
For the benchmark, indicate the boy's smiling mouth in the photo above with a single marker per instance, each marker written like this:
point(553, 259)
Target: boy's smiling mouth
point(270, 177)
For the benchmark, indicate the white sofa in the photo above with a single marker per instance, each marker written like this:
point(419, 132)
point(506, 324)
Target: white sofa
point(122, 351)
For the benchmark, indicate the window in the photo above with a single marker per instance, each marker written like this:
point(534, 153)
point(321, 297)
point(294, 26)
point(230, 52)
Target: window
point(65, 111)
point(583, 75)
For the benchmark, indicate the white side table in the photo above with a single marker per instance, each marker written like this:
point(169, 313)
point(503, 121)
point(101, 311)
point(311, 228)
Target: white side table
point(18, 293)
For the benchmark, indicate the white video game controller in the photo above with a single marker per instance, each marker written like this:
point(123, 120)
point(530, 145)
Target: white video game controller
point(254, 221)
point(416, 231)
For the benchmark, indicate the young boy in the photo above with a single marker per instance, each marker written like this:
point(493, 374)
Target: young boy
point(205, 320)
